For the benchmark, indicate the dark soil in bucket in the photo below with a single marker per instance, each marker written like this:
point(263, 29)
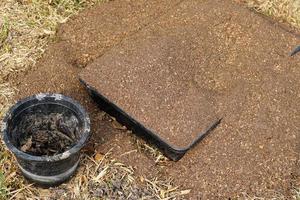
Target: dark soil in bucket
point(41, 131)
point(47, 134)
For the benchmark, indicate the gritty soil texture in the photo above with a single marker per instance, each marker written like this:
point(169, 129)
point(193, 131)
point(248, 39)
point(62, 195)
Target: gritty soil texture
point(245, 68)
point(151, 77)
point(47, 134)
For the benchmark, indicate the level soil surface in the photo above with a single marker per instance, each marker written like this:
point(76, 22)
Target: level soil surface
point(243, 65)
point(153, 77)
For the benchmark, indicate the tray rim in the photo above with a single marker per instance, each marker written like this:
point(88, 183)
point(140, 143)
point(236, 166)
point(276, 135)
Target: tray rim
point(171, 151)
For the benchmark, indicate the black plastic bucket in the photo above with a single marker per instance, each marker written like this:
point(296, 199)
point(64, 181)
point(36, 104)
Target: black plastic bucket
point(46, 170)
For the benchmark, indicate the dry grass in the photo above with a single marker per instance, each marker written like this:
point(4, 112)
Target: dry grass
point(151, 151)
point(98, 176)
point(26, 27)
point(296, 194)
point(283, 10)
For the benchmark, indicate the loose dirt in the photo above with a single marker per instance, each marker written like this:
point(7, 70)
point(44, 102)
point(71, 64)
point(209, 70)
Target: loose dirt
point(246, 68)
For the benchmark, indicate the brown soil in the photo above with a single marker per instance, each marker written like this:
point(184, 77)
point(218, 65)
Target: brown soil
point(151, 77)
point(245, 68)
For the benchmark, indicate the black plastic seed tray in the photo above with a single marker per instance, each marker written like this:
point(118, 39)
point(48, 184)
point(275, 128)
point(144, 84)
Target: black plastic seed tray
point(139, 129)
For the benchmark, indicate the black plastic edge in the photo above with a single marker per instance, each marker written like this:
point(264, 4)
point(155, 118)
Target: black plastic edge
point(171, 152)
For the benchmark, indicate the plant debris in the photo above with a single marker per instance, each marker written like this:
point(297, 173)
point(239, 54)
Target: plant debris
point(47, 134)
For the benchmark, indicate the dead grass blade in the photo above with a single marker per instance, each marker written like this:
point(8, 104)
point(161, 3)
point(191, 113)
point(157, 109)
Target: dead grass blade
point(283, 10)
